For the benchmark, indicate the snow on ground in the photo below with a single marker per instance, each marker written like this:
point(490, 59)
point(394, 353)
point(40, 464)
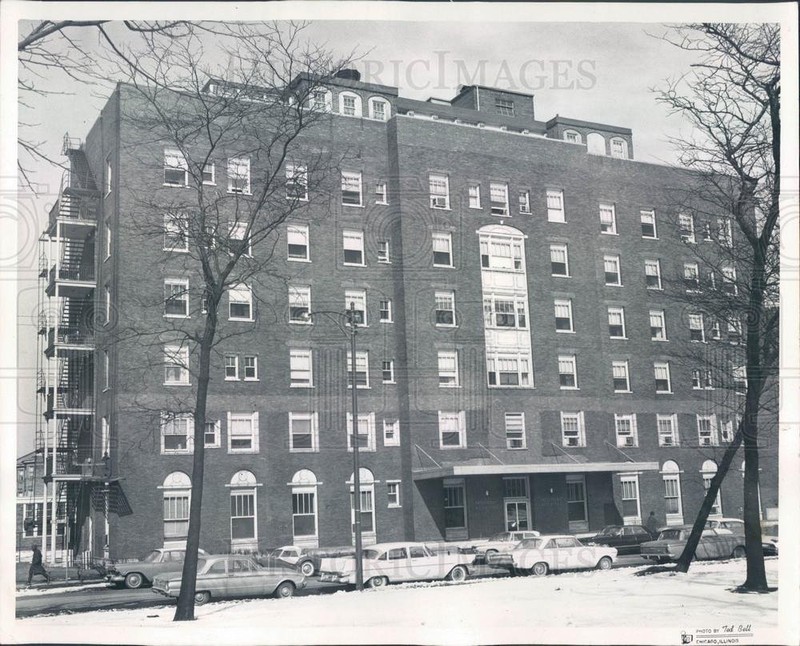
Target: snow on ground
point(38, 590)
point(570, 607)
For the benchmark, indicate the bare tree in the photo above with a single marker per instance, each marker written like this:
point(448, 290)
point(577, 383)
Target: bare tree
point(732, 98)
point(255, 119)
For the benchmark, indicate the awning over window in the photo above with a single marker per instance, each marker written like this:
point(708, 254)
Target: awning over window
point(467, 470)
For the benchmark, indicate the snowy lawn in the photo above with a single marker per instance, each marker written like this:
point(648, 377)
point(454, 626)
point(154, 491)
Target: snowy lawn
point(40, 589)
point(569, 607)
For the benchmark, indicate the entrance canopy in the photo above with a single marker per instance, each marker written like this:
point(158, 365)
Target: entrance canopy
point(464, 470)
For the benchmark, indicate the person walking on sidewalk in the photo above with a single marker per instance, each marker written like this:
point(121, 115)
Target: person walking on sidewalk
point(36, 566)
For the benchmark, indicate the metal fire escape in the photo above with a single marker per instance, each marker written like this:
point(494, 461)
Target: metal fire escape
point(74, 473)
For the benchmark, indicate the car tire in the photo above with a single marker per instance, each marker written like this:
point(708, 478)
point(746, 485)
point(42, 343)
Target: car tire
point(540, 569)
point(134, 580)
point(604, 563)
point(739, 552)
point(457, 574)
point(307, 568)
point(285, 590)
point(378, 582)
point(488, 553)
point(202, 597)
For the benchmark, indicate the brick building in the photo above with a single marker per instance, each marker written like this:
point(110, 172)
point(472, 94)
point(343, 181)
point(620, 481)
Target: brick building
point(521, 360)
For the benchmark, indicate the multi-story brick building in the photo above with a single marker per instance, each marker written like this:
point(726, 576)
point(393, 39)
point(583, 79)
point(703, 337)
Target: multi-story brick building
point(521, 360)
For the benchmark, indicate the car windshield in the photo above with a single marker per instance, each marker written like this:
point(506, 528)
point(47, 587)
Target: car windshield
point(500, 536)
point(152, 557)
point(670, 535)
point(611, 530)
point(370, 554)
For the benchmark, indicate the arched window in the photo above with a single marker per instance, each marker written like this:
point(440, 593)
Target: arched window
point(349, 104)
point(619, 148)
point(672, 493)
point(573, 136)
point(177, 490)
point(379, 108)
point(708, 471)
point(596, 144)
point(367, 498)
point(304, 509)
point(244, 528)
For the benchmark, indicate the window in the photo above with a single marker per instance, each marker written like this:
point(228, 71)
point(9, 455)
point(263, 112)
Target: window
point(661, 373)
point(300, 369)
point(297, 182)
point(686, 227)
point(729, 281)
point(383, 251)
point(563, 314)
point(176, 297)
point(176, 226)
point(439, 187)
point(648, 219)
point(611, 268)
point(716, 330)
point(303, 432)
point(691, 276)
point(177, 433)
point(508, 370)
point(559, 261)
point(502, 252)
point(726, 425)
point(378, 109)
point(351, 188)
point(177, 489)
point(445, 309)
point(573, 431)
point(242, 432)
point(702, 378)
point(297, 238)
point(498, 198)
point(387, 371)
point(707, 232)
point(362, 369)
point(176, 365)
point(707, 430)
point(672, 493)
point(474, 196)
point(515, 431)
point(448, 369)
point(708, 471)
point(239, 175)
point(627, 434)
point(250, 364)
point(725, 232)
point(106, 371)
point(667, 427)
point(735, 330)
point(366, 432)
point(385, 310)
point(452, 430)
point(243, 510)
point(320, 100)
point(631, 514)
point(381, 196)
point(455, 515)
point(608, 219)
point(658, 325)
point(391, 432)
point(231, 367)
point(442, 249)
point(240, 303)
point(349, 104)
point(393, 493)
point(238, 240)
point(616, 322)
point(299, 304)
point(619, 148)
point(652, 274)
point(572, 137)
point(505, 312)
point(212, 433)
point(358, 298)
point(504, 107)
point(567, 372)
point(740, 379)
point(619, 373)
point(353, 243)
point(696, 328)
point(555, 206)
point(108, 241)
point(304, 508)
point(525, 202)
point(176, 170)
point(109, 176)
point(107, 291)
point(209, 174)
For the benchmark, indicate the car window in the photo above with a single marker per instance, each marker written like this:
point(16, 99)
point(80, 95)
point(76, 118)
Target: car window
point(153, 557)
point(176, 556)
point(217, 568)
point(670, 535)
point(640, 531)
point(371, 555)
point(243, 565)
point(531, 544)
point(397, 553)
point(417, 552)
point(502, 536)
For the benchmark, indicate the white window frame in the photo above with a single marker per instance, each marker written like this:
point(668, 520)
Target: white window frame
point(391, 432)
point(662, 421)
point(362, 367)
point(301, 362)
point(573, 137)
point(384, 252)
point(393, 494)
point(381, 193)
point(525, 202)
point(711, 433)
point(446, 420)
point(244, 492)
point(563, 305)
point(294, 232)
point(729, 281)
point(725, 231)
point(499, 206)
point(474, 195)
point(374, 114)
point(662, 366)
point(168, 421)
point(620, 369)
point(708, 476)
point(516, 437)
point(296, 179)
point(445, 297)
point(558, 248)
point(245, 367)
point(231, 362)
point(355, 239)
point(217, 431)
point(691, 272)
point(239, 169)
point(612, 260)
point(238, 232)
point(445, 359)
point(444, 238)
point(608, 225)
point(629, 484)
point(356, 107)
point(358, 297)
point(496, 362)
point(365, 420)
point(555, 205)
point(176, 356)
point(252, 418)
point(493, 315)
point(568, 361)
point(182, 296)
point(578, 433)
point(650, 265)
point(109, 184)
point(176, 228)
point(672, 491)
point(313, 426)
point(617, 312)
point(626, 438)
point(209, 166)
point(300, 304)
point(502, 252)
point(240, 295)
point(108, 241)
point(696, 325)
point(648, 217)
point(174, 160)
point(686, 227)
point(351, 183)
point(619, 148)
point(387, 310)
point(660, 317)
point(387, 366)
point(439, 191)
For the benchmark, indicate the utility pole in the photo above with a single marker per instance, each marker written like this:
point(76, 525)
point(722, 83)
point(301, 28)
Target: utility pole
point(355, 442)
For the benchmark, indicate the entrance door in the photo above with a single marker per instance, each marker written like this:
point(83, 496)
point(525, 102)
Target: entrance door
point(516, 502)
point(576, 503)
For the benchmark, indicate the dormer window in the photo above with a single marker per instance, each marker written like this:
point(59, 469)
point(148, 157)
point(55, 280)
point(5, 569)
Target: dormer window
point(619, 148)
point(572, 136)
point(349, 104)
point(379, 109)
point(504, 107)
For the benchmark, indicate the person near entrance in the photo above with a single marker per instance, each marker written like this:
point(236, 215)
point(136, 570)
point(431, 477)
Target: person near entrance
point(652, 524)
point(36, 566)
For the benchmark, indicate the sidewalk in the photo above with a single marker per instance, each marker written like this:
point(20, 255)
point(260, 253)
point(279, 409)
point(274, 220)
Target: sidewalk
point(59, 576)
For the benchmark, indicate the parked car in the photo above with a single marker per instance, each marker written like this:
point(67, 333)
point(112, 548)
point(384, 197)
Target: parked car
point(769, 534)
point(221, 576)
point(385, 563)
point(714, 544)
point(736, 525)
point(627, 539)
point(137, 574)
point(304, 559)
point(551, 553)
point(500, 542)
